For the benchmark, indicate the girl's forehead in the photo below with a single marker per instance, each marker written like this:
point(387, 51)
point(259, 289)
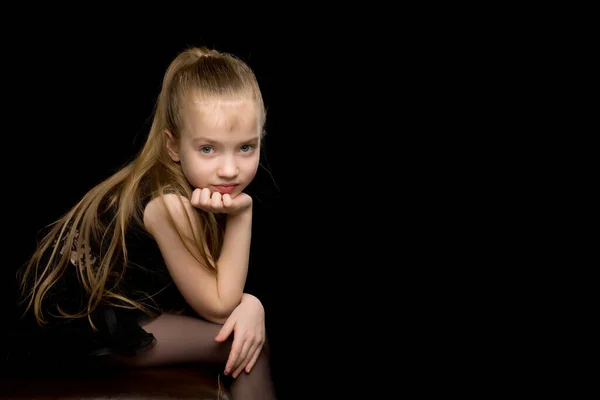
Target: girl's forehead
point(211, 105)
point(214, 102)
point(223, 114)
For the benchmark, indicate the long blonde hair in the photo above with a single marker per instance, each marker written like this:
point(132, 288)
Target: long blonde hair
point(197, 71)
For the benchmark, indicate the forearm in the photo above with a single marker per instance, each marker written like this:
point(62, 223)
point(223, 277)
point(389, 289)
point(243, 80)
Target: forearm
point(233, 261)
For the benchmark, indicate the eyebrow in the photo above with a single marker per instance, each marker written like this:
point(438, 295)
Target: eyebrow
point(201, 139)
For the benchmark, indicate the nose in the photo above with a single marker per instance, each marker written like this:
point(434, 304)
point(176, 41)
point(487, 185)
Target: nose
point(229, 168)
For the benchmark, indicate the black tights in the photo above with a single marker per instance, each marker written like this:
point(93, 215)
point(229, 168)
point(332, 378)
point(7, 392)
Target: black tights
point(183, 339)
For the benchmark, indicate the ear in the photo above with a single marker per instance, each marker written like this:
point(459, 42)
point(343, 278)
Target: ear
point(172, 146)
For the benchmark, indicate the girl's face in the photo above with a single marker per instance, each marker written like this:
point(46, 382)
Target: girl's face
point(219, 145)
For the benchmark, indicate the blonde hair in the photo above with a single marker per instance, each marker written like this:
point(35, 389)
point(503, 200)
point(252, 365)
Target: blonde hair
point(194, 72)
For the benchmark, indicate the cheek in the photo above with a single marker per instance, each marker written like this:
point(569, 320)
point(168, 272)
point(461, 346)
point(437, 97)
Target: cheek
point(252, 167)
point(196, 172)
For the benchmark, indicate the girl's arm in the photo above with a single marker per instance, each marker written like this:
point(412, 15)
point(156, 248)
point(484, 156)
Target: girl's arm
point(212, 297)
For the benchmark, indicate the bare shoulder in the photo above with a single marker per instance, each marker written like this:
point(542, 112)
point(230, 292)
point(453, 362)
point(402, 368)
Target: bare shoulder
point(156, 213)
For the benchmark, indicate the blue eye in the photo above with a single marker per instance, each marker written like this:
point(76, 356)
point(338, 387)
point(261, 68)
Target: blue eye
point(205, 149)
point(247, 147)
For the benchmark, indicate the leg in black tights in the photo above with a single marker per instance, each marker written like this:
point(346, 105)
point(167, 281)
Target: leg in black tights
point(184, 339)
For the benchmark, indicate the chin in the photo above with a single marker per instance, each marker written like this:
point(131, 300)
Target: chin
point(235, 193)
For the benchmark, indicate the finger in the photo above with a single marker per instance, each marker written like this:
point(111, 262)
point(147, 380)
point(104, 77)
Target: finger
point(216, 203)
point(225, 330)
point(195, 199)
point(239, 365)
point(249, 356)
point(227, 201)
point(234, 354)
point(205, 197)
point(255, 356)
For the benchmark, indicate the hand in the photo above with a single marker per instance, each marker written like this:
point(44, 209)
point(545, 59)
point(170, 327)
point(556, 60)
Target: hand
point(217, 203)
point(248, 321)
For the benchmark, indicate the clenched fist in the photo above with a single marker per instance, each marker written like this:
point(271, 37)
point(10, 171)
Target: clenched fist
point(217, 203)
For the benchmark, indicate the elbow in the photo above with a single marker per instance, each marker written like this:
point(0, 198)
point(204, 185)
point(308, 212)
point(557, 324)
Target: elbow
point(228, 300)
point(220, 312)
point(214, 318)
point(220, 315)
point(230, 303)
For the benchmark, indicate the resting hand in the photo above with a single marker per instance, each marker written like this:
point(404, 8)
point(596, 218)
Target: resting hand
point(218, 203)
point(248, 322)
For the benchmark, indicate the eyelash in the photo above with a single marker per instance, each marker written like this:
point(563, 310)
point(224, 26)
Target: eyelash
point(251, 147)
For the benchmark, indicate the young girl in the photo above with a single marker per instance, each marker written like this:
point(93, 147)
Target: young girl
point(149, 267)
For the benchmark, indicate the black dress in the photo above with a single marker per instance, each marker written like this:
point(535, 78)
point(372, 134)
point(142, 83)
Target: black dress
point(73, 342)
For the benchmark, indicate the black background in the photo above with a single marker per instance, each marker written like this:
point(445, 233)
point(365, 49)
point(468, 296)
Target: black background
point(78, 108)
point(330, 260)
